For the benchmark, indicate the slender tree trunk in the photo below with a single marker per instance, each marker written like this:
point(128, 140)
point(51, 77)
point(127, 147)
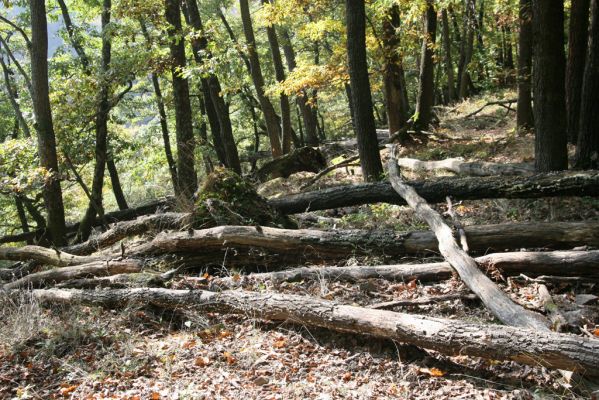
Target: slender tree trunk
point(524, 118)
point(117, 189)
point(43, 116)
point(397, 106)
point(578, 37)
point(13, 97)
point(203, 134)
point(172, 166)
point(277, 60)
point(73, 36)
point(587, 150)
point(310, 123)
point(22, 217)
point(270, 117)
point(549, 89)
point(466, 48)
point(426, 89)
point(368, 147)
point(451, 96)
point(103, 109)
point(212, 93)
point(186, 173)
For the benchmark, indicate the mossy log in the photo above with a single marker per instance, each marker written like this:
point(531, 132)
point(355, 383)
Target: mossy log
point(303, 159)
point(450, 337)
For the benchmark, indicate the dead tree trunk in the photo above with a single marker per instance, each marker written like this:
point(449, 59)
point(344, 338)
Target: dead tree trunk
point(449, 337)
point(491, 295)
point(459, 166)
point(435, 190)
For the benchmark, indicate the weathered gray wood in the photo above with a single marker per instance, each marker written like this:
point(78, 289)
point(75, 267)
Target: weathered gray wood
point(569, 183)
point(98, 268)
point(470, 168)
point(491, 295)
point(451, 337)
point(45, 256)
point(565, 263)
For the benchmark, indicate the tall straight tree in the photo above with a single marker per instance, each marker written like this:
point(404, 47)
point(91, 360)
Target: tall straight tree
point(451, 95)
point(212, 92)
point(396, 99)
point(466, 47)
point(587, 150)
point(426, 88)
point(308, 116)
point(46, 139)
point(368, 146)
point(277, 60)
point(577, 51)
point(549, 90)
point(95, 206)
point(524, 117)
point(270, 116)
point(186, 173)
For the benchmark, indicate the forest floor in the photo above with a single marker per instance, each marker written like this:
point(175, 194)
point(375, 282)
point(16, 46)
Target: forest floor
point(142, 353)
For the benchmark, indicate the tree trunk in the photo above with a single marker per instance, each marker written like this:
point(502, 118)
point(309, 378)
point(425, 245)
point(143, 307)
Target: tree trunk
point(43, 122)
point(277, 60)
point(75, 42)
point(186, 173)
point(397, 106)
point(310, 123)
point(13, 97)
point(578, 37)
point(451, 95)
point(426, 87)
point(117, 189)
point(549, 89)
point(172, 166)
point(451, 337)
point(270, 117)
point(555, 263)
point(435, 190)
point(587, 150)
point(364, 127)
point(491, 295)
point(22, 216)
point(95, 206)
point(212, 93)
point(474, 168)
point(466, 47)
point(524, 117)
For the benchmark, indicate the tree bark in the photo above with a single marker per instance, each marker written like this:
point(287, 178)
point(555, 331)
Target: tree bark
point(396, 102)
point(491, 295)
point(549, 89)
point(449, 337)
point(95, 206)
point(426, 87)
point(186, 173)
point(578, 37)
point(212, 93)
point(277, 60)
point(94, 269)
point(308, 117)
point(556, 263)
point(302, 159)
point(451, 95)
point(117, 189)
point(43, 122)
point(461, 167)
point(75, 42)
point(524, 116)
point(13, 97)
point(364, 127)
point(436, 189)
point(466, 47)
point(46, 256)
point(587, 150)
point(172, 166)
point(270, 117)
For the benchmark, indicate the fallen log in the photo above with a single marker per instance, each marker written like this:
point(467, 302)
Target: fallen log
point(570, 183)
point(302, 159)
point(45, 256)
point(98, 268)
point(501, 103)
point(256, 245)
point(565, 263)
point(423, 301)
point(490, 294)
point(124, 229)
point(450, 337)
point(471, 168)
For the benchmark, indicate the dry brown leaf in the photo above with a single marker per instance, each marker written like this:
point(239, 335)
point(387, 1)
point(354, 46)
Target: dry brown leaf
point(155, 396)
point(436, 372)
point(596, 332)
point(67, 389)
point(201, 361)
point(189, 344)
point(347, 376)
point(229, 357)
point(280, 343)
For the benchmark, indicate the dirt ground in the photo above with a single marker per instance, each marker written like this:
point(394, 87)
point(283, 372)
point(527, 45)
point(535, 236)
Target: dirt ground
point(143, 353)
